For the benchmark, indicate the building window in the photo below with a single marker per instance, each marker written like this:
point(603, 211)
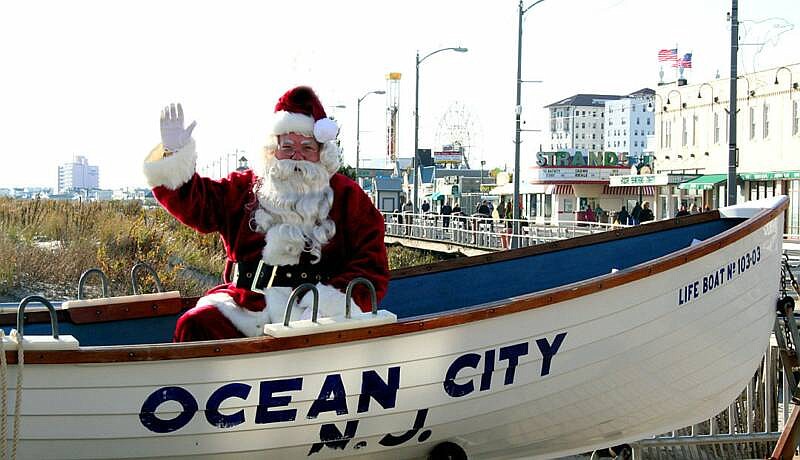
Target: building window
point(765, 126)
point(716, 128)
point(694, 130)
point(727, 126)
point(752, 123)
point(637, 121)
point(583, 125)
point(648, 122)
point(684, 132)
point(795, 118)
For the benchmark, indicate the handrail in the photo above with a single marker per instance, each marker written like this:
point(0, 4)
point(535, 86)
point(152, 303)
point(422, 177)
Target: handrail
point(349, 295)
point(143, 266)
point(21, 314)
point(483, 232)
point(82, 281)
point(292, 298)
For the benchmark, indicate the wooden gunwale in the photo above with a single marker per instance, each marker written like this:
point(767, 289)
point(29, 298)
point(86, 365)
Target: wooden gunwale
point(169, 351)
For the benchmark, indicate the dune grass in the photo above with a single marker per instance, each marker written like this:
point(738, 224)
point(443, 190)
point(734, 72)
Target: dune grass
point(45, 246)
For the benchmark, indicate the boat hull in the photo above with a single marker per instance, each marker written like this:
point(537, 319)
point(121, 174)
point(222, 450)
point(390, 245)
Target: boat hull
point(622, 363)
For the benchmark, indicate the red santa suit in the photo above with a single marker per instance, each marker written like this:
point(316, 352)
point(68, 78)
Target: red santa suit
point(228, 206)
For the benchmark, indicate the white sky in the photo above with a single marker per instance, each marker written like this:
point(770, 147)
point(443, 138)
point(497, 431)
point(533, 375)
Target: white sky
point(89, 77)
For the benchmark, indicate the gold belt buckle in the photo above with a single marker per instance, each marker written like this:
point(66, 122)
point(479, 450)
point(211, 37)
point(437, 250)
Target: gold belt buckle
point(257, 275)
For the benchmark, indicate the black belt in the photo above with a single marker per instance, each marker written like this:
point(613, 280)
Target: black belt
point(256, 276)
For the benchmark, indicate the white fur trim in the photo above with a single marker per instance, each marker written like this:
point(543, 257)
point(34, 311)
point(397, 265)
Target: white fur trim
point(282, 248)
point(291, 122)
point(172, 171)
point(325, 130)
point(249, 323)
point(277, 298)
point(331, 301)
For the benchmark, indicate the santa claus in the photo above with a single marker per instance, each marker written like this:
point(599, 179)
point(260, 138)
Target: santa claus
point(294, 220)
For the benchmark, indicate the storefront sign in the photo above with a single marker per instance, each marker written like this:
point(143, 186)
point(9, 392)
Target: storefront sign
point(775, 175)
point(448, 157)
point(578, 159)
point(641, 179)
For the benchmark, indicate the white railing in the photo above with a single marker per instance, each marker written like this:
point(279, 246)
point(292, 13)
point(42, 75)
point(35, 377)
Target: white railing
point(483, 232)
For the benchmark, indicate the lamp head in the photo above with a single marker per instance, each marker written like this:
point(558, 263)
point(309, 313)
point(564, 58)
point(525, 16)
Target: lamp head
point(379, 92)
point(460, 50)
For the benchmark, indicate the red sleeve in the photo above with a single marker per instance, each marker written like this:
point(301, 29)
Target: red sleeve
point(365, 251)
point(204, 204)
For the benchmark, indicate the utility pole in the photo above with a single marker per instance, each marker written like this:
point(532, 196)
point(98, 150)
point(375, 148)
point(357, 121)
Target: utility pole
point(518, 110)
point(732, 116)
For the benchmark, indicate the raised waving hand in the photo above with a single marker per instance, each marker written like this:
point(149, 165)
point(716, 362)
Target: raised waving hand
point(173, 134)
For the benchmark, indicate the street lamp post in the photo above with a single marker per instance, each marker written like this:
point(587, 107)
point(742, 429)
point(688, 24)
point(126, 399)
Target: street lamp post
point(518, 110)
point(457, 49)
point(358, 127)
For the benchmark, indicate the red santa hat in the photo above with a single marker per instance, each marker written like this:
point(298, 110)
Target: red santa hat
point(299, 111)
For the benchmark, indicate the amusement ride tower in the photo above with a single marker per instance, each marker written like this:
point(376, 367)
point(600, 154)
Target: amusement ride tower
point(392, 114)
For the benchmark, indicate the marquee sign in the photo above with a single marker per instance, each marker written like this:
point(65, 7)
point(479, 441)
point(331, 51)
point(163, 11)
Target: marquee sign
point(539, 175)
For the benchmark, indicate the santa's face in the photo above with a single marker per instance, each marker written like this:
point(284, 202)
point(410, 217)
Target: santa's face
point(294, 198)
point(293, 146)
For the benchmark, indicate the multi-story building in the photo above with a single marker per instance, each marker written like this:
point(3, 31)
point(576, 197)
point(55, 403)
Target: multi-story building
point(693, 135)
point(78, 174)
point(577, 123)
point(594, 137)
point(629, 120)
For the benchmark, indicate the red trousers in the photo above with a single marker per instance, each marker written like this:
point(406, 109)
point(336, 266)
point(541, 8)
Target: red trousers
point(204, 323)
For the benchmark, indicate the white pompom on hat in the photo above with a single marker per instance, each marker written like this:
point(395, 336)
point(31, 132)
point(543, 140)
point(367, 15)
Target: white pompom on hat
point(300, 111)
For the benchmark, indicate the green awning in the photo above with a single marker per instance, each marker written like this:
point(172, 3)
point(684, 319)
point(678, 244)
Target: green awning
point(771, 175)
point(706, 182)
point(437, 196)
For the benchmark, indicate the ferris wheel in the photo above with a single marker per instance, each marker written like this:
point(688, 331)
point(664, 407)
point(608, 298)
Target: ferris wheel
point(458, 127)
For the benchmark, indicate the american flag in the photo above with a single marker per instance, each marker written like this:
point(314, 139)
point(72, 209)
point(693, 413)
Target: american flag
point(668, 55)
point(685, 62)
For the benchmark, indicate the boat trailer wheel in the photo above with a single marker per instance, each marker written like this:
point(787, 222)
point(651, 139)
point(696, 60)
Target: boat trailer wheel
point(785, 305)
point(447, 451)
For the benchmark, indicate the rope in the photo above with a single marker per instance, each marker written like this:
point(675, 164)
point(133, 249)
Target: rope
point(4, 396)
point(18, 396)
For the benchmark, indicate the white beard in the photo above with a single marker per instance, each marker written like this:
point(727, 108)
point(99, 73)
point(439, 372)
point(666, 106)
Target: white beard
point(294, 199)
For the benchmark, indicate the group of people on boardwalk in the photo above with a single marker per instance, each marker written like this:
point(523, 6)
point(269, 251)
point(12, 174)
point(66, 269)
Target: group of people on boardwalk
point(640, 213)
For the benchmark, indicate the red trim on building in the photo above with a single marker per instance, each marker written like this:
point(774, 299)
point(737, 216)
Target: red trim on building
point(648, 190)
